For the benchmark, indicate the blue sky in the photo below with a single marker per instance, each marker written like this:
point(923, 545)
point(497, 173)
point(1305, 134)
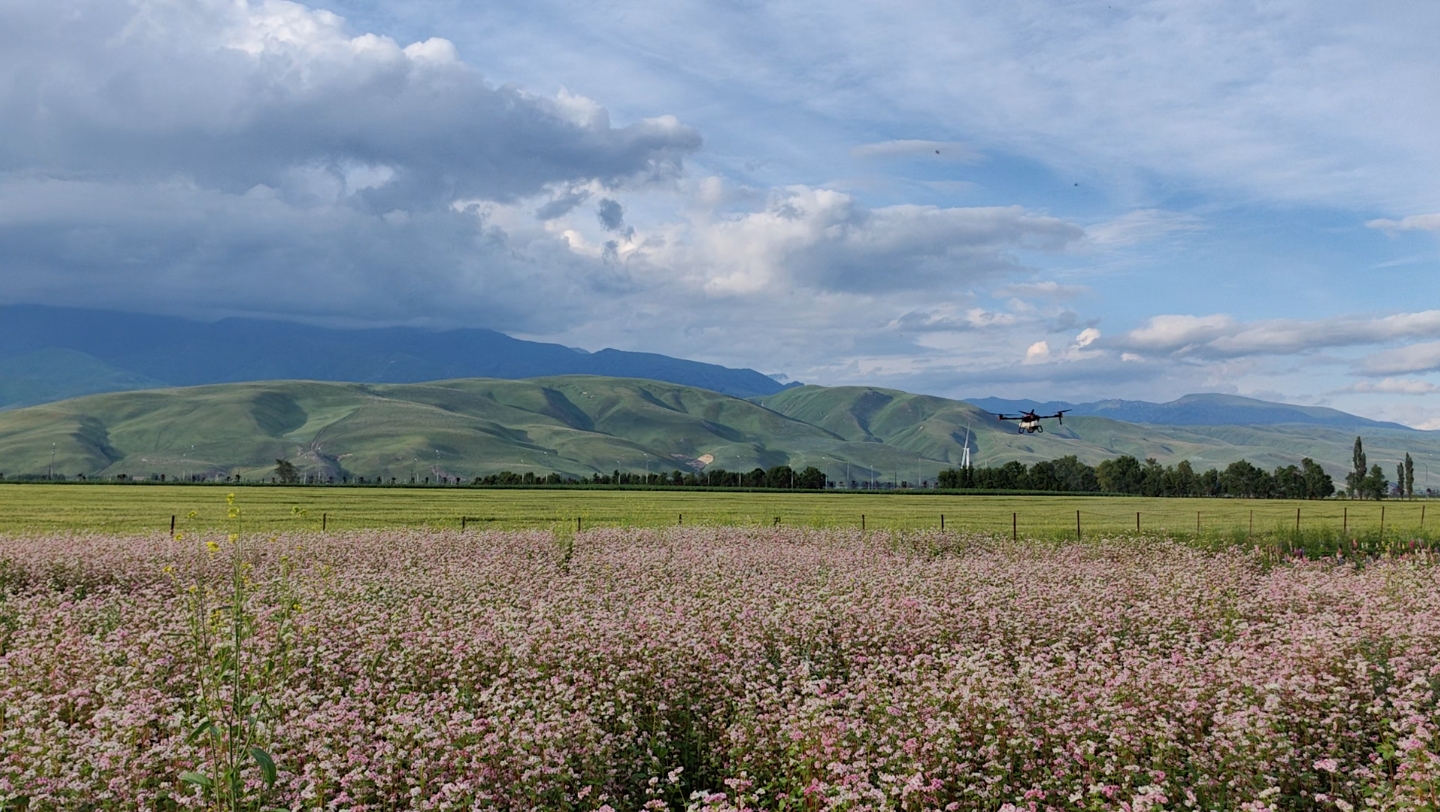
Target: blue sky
point(1031, 199)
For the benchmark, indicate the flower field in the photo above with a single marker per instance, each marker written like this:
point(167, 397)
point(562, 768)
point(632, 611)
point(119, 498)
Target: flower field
point(710, 668)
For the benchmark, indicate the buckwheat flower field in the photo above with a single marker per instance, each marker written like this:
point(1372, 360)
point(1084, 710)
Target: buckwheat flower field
point(710, 668)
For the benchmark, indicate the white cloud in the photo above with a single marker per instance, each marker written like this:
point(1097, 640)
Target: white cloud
point(1039, 352)
point(826, 240)
point(1423, 357)
point(1415, 222)
point(1047, 289)
point(948, 319)
point(1168, 333)
point(1223, 337)
point(938, 150)
point(1392, 386)
point(1141, 226)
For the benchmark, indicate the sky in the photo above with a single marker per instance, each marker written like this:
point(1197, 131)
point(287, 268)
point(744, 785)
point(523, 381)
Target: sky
point(1037, 199)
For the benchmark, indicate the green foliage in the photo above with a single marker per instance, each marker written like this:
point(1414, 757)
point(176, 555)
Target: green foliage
point(1125, 474)
point(286, 473)
point(1355, 480)
point(1374, 485)
point(231, 683)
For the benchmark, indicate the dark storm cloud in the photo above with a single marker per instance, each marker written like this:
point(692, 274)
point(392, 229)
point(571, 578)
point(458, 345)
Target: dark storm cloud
point(231, 98)
point(562, 204)
point(196, 252)
point(611, 214)
point(213, 157)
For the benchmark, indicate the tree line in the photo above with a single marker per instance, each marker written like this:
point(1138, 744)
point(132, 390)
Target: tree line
point(779, 476)
point(1128, 475)
point(1123, 475)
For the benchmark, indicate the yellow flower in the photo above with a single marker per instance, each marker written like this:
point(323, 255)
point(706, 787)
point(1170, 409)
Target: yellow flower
point(234, 537)
point(193, 514)
point(229, 498)
point(212, 546)
point(233, 513)
point(168, 569)
point(179, 536)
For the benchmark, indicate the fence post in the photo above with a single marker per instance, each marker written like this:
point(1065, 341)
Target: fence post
point(1252, 521)
point(1197, 522)
point(1137, 521)
point(1077, 525)
point(942, 519)
point(862, 522)
point(680, 521)
point(1382, 521)
point(1014, 526)
point(324, 521)
point(172, 526)
point(1345, 520)
point(462, 522)
point(1297, 520)
point(1422, 517)
point(577, 524)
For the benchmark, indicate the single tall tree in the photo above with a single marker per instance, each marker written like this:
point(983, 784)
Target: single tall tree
point(1409, 476)
point(1355, 480)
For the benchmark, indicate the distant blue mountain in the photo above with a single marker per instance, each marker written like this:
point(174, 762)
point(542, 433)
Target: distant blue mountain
point(1194, 410)
point(106, 351)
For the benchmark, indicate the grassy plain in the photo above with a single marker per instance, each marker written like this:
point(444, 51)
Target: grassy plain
point(142, 508)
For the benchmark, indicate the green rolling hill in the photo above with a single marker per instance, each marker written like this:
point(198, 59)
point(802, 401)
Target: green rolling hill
point(578, 425)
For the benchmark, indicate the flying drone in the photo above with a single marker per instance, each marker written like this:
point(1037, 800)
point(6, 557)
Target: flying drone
point(1030, 422)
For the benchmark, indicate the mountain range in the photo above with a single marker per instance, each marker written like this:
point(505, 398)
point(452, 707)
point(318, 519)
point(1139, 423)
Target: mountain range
point(52, 353)
point(577, 425)
point(1193, 410)
point(177, 397)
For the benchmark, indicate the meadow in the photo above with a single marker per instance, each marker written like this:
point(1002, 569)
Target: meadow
point(709, 668)
point(149, 508)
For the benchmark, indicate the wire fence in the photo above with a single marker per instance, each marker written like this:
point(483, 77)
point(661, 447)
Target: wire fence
point(180, 509)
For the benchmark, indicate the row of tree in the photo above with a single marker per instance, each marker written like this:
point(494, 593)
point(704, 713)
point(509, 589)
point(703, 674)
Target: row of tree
point(1126, 474)
point(780, 476)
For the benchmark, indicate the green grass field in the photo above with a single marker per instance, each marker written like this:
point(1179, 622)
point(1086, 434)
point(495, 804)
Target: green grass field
point(147, 508)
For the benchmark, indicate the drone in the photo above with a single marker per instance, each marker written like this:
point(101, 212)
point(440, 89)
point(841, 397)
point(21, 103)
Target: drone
point(1030, 422)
